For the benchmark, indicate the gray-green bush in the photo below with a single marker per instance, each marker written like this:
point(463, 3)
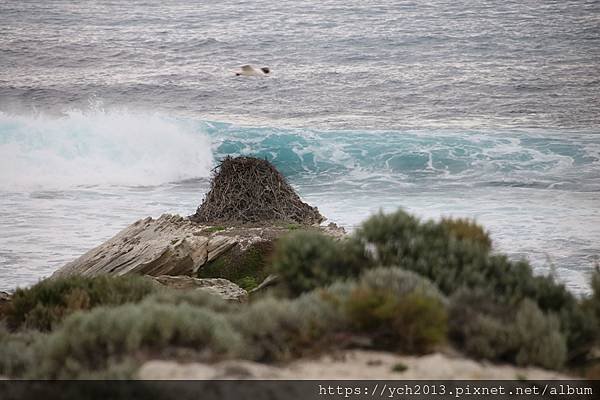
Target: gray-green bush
point(16, 352)
point(43, 305)
point(453, 262)
point(306, 260)
point(398, 309)
point(520, 334)
point(104, 336)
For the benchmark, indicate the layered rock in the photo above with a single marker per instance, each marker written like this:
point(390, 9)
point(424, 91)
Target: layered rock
point(171, 245)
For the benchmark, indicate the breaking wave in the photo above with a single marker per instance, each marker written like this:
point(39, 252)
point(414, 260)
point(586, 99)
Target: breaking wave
point(125, 148)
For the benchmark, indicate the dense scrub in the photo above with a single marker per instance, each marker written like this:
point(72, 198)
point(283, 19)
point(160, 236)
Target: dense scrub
point(45, 304)
point(397, 284)
point(454, 262)
point(307, 260)
point(398, 309)
point(106, 340)
point(521, 334)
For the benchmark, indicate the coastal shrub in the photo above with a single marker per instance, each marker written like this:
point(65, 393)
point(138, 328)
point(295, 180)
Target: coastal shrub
point(519, 333)
point(272, 330)
point(452, 263)
point(428, 249)
point(16, 352)
point(399, 309)
point(399, 282)
point(394, 309)
point(243, 267)
point(94, 340)
point(307, 260)
point(540, 340)
point(592, 303)
point(195, 298)
point(466, 229)
point(281, 329)
point(45, 304)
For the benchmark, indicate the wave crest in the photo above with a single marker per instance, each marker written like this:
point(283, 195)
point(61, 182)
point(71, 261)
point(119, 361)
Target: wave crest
point(99, 148)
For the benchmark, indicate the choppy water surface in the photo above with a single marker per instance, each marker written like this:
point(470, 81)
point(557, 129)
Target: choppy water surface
point(111, 111)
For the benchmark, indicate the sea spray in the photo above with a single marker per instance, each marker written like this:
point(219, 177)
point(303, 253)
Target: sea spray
point(97, 147)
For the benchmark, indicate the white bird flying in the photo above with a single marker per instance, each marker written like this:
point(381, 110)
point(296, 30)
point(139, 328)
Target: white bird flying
point(249, 70)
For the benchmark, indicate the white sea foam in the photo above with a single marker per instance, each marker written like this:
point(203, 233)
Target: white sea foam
point(99, 148)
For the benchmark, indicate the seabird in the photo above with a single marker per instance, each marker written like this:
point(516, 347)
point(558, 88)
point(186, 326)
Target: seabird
point(249, 70)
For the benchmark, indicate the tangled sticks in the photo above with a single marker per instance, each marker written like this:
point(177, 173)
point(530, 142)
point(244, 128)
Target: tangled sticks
point(251, 190)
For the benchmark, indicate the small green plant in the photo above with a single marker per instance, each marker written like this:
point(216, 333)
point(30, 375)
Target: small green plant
point(244, 267)
point(213, 229)
point(45, 304)
point(247, 283)
point(293, 227)
point(399, 367)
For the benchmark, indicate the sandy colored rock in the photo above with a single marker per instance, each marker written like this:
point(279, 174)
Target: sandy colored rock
point(167, 245)
point(267, 282)
point(217, 246)
point(351, 364)
point(171, 245)
point(220, 287)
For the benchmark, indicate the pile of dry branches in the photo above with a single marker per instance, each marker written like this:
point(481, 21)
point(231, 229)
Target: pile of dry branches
point(251, 190)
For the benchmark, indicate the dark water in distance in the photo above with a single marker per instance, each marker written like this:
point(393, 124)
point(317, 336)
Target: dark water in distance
point(345, 64)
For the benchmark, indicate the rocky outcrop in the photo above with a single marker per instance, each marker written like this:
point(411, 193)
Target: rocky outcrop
point(219, 287)
point(171, 245)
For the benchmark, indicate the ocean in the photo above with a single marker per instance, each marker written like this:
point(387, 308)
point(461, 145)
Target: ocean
point(112, 111)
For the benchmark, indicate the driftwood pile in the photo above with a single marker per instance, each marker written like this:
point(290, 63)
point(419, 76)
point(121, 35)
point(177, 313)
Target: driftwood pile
point(252, 190)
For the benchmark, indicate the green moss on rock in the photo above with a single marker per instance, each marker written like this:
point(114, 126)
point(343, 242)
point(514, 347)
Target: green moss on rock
point(246, 268)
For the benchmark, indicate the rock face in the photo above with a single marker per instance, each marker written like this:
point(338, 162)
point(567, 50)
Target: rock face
point(170, 245)
point(221, 287)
